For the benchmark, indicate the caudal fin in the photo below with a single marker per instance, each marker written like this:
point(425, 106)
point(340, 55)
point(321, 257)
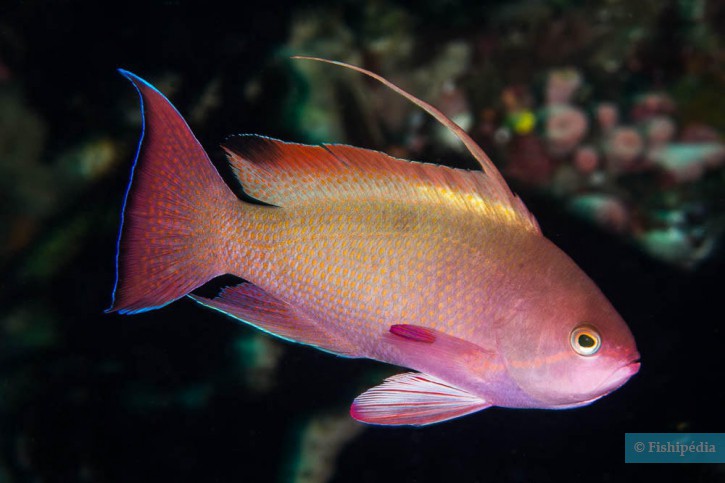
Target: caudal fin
point(169, 242)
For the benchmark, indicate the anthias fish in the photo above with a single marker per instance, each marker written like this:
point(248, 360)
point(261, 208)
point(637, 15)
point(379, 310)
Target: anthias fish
point(440, 270)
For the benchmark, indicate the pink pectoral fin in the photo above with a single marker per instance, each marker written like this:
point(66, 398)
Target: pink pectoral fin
point(414, 399)
point(428, 350)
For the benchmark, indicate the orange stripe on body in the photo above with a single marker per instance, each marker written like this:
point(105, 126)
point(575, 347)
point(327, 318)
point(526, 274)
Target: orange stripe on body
point(539, 361)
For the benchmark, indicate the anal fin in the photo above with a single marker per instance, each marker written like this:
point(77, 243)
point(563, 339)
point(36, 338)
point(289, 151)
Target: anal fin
point(252, 305)
point(414, 399)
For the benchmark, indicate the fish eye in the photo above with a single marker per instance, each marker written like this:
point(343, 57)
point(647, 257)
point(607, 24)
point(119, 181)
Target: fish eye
point(585, 340)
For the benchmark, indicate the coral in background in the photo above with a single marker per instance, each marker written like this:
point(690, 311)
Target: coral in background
point(674, 246)
point(594, 172)
point(659, 130)
point(258, 358)
point(561, 85)
point(565, 127)
point(27, 188)
point(605, 210)
point(687, 162)
point(528, 160)
point(321, 440)
point(623, 148)
point(586, 159)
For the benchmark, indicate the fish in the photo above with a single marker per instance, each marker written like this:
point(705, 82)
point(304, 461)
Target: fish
point(441, 271)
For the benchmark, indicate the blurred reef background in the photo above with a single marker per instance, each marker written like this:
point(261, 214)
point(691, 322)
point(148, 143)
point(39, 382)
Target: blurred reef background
point(606, 116)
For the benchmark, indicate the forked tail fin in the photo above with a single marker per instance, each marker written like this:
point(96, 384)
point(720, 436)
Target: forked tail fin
point(169, 242)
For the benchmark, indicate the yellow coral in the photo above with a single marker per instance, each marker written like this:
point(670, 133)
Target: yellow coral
point(523, 122)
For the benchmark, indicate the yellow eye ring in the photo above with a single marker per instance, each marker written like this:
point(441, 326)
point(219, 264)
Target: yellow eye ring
point(585, 340)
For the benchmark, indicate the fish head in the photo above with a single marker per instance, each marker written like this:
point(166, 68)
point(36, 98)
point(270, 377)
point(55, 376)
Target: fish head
point(565, 345)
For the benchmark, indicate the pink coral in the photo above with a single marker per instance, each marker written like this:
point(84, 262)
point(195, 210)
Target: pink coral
point(586, 159)
point(528, 162)
point(698, 133)
point(607, 116)
point(660, 130)
point(561, 85)
point(652, 104)
point(623, 148)
point(605, 210)
point(565, 127)
point(682, 162)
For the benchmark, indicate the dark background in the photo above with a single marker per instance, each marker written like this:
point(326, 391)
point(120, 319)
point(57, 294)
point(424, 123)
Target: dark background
point(86, 396)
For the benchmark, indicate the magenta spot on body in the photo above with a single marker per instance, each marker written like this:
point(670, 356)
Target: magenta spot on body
point(413, 332)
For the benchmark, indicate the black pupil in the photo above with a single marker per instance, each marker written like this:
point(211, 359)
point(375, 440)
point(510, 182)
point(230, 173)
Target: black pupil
point(586, 341)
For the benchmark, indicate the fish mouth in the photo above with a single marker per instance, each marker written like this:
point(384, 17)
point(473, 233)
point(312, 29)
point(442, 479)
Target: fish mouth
point(633, 365)
point(621, 375)
point(616, 380)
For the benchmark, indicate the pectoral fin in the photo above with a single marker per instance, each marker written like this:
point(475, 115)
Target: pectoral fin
point(427, 349)
point(414, 399)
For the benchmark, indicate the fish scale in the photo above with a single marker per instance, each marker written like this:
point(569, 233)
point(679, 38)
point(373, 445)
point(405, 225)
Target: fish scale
point(418, 266)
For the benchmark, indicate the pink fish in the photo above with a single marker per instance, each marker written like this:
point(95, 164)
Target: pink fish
point(440, 270)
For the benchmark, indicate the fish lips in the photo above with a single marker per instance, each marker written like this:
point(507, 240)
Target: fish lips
point(616, 380)
point(620, 376)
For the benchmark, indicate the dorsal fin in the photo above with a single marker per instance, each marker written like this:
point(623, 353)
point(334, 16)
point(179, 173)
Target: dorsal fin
point(497, 184)
point(288, 174)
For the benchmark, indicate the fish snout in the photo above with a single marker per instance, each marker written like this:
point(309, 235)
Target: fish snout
point(621, 375)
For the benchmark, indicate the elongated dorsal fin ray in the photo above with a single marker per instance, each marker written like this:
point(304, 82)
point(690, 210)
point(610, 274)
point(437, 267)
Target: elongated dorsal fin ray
point(496, 181)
